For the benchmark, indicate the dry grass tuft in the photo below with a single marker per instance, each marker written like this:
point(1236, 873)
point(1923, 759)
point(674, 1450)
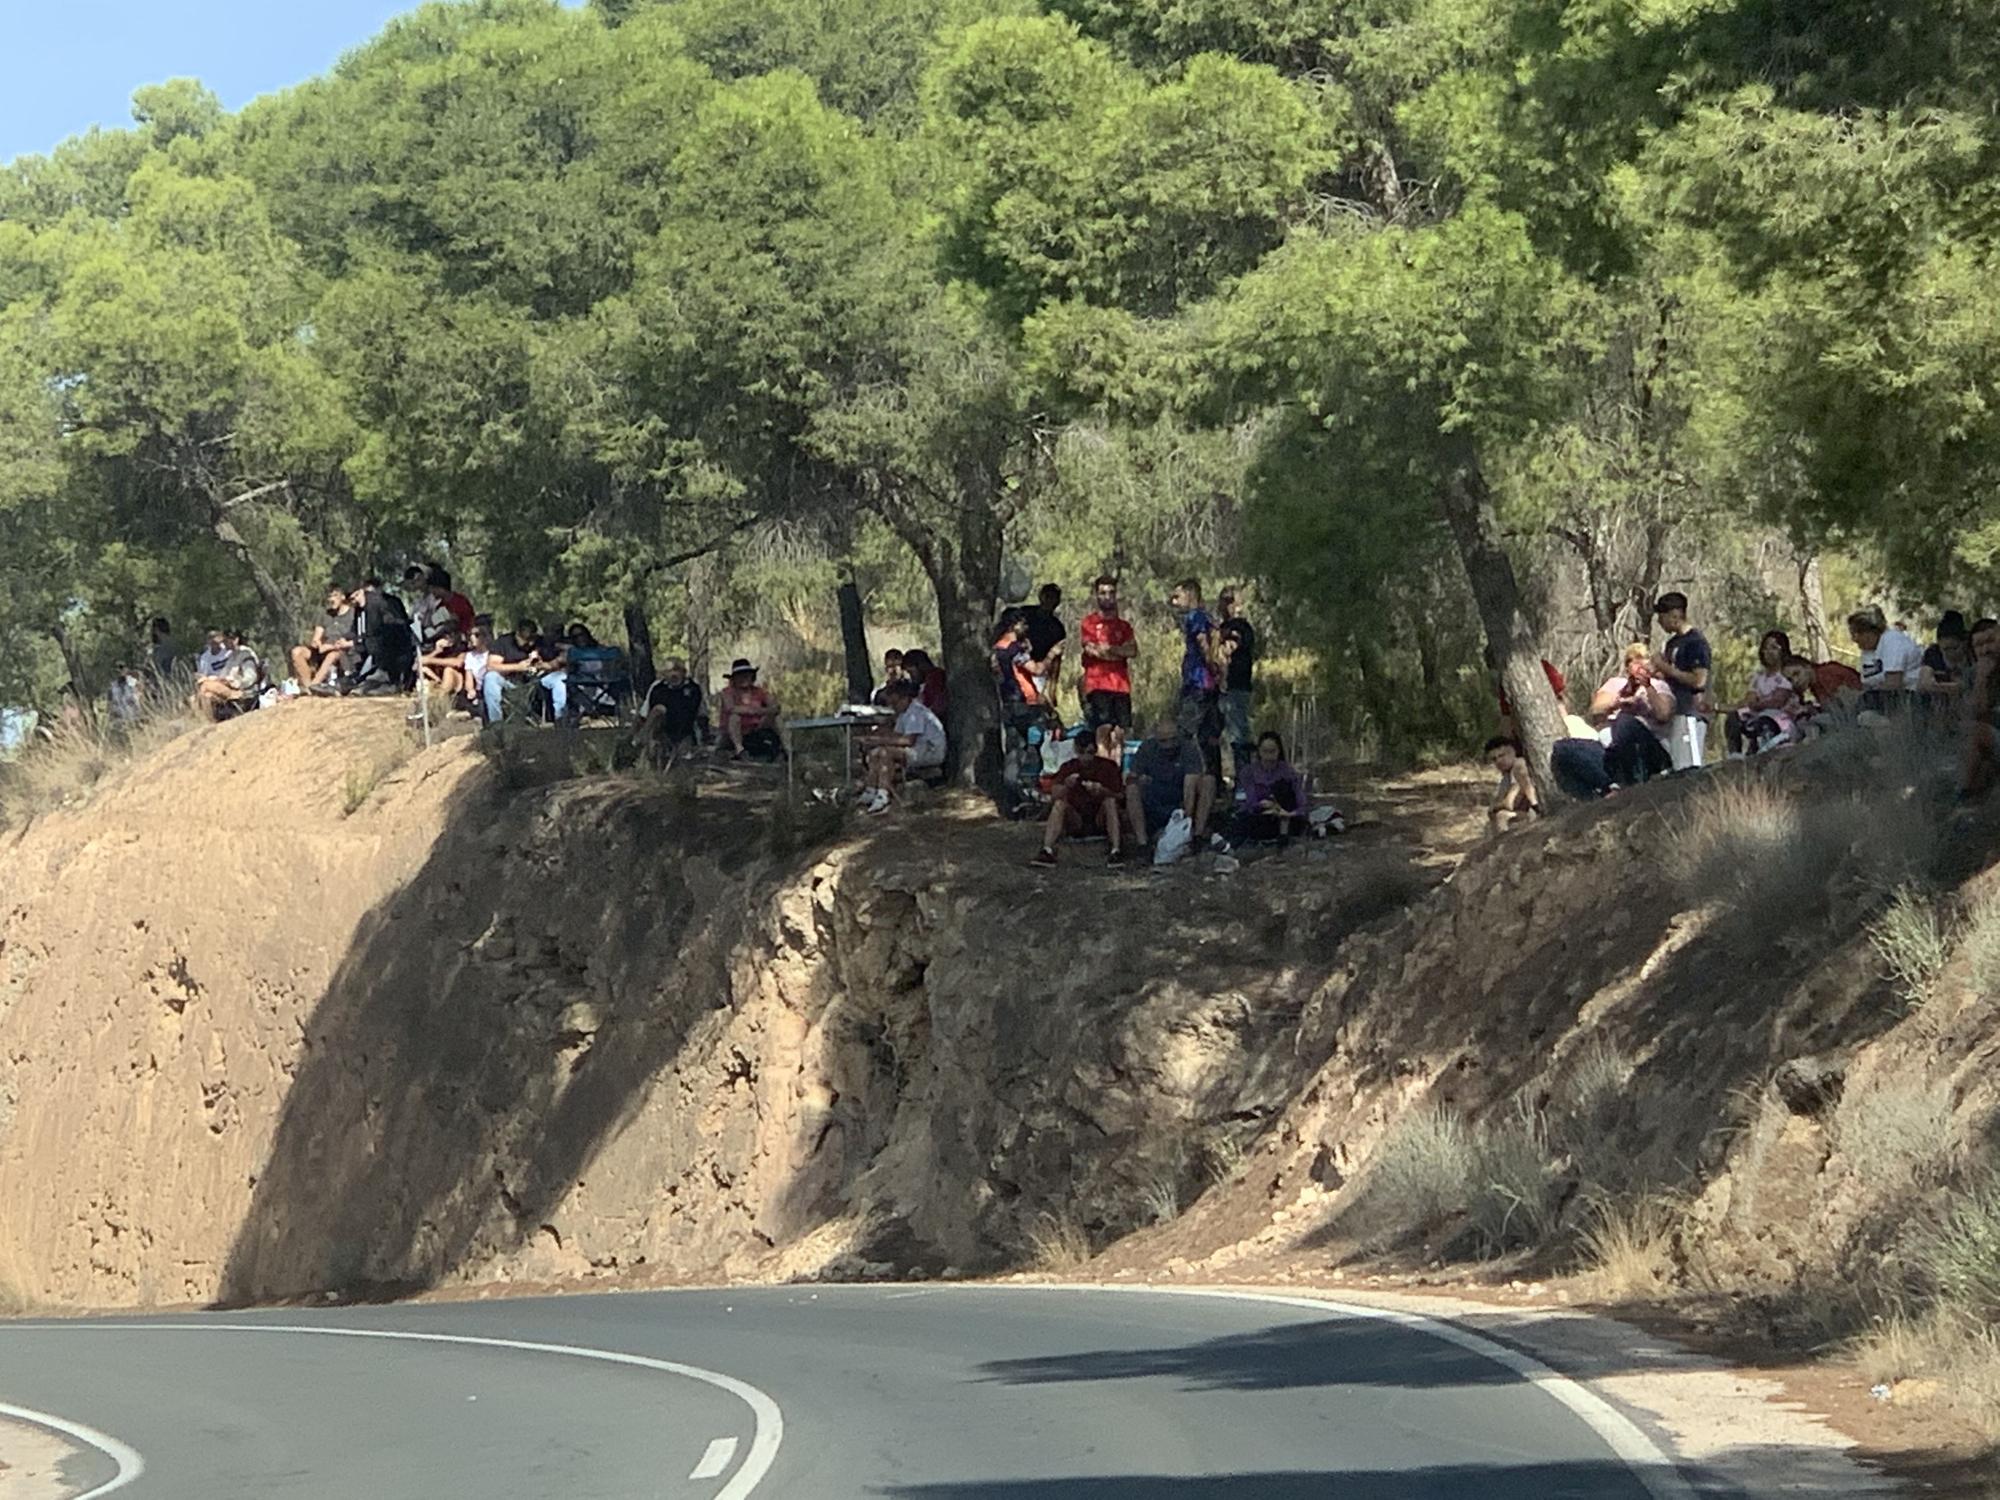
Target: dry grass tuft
point(1915, 941)
point(1898, 1136)
point(1981, 944)
point(64, 767)
point(1629, 1248)
point(1433, 1167)
point(1058, 1244)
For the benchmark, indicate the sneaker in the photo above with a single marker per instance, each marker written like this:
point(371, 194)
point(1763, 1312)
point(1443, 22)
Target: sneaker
point(1114, 859)
point(880, 804)
point(1218, 843)
point(1045, 859)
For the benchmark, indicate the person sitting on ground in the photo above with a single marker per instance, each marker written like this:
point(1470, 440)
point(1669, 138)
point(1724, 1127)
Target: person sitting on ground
point(748, 716)
point(1947, 663)
point(892, 671)
point(1083, 799)
point(332, 642)
point(235, 688)
point(1821, 688)
point(1515, 800)
point(1981, 707)
point(927, 677)
point(474, 670)
point(1767, 715)
point(1168, 774)
point(1634, 709)
point(1274, 797)
point(1891, 661)
point(671, 719)
point(915, 742)
point(161, 653)
point(214, 654)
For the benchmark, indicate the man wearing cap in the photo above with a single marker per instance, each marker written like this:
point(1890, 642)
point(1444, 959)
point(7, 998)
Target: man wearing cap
point(1683, 664)
point(1083, 798)
point(749, 715)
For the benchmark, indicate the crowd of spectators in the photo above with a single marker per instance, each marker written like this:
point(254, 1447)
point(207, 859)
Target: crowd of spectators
point(1651, 716)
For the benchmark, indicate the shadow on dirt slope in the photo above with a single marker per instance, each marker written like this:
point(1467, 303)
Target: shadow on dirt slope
point(494, 1022)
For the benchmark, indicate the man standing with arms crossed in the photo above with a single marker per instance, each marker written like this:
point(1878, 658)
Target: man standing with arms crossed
point(1109, 647)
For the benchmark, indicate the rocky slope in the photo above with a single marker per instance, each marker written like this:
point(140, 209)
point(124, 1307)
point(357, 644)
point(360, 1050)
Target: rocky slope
point(476, 1031)
point(254, 1044)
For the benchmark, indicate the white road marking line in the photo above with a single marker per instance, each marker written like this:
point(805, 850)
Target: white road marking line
point(770, 1421)
point(124, 1459)
point(717, 1458)
point(1647, 1461)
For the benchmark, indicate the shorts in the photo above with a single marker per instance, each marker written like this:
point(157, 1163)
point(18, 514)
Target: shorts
point(928, 763)
point(1100, 709)
point(1236, 717)
point(1161, 803)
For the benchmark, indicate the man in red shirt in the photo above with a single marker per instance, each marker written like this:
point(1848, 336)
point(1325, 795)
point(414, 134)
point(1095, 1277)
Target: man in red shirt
point(1109, 646)
point(1086, 796)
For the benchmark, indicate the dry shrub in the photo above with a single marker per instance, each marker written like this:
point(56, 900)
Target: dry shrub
point(1959, 1256)
point(1936, 1357)
point(1981, 943)
point(1776, 860)
point(1898, 1135)
point(1914, 940)
point(1948, 1343)
point(63, 767)
point(1433, 1166)
point(1629, 1247)
point(1058, 1244)
point(1754, 849)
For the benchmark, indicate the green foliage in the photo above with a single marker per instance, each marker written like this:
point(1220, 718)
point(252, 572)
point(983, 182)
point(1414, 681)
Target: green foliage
point(697, 305)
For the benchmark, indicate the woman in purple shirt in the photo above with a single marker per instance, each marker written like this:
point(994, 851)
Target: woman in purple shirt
point(1273, 805)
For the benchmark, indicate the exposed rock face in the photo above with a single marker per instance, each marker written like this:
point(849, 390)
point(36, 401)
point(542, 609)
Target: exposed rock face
point(474, 1033)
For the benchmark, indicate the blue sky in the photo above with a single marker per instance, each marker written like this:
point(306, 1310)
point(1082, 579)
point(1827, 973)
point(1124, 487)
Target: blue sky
point(69, 64)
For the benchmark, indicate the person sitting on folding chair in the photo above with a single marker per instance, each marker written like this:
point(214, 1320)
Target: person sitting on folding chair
point(916, 743)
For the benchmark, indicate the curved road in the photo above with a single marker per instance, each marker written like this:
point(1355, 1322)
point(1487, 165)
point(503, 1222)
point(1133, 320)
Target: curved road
point(820, 1393)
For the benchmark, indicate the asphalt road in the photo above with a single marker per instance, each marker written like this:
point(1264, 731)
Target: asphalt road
point(922, 1393)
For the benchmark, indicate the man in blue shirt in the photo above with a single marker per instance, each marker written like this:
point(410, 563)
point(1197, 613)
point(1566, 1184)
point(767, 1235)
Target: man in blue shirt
point(1684, 664)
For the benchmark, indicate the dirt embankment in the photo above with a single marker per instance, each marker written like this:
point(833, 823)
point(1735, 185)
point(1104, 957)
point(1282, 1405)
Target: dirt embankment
point(266, 1031)
point(258, 1045)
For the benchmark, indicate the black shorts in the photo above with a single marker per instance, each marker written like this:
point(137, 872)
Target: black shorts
point(1100, 709)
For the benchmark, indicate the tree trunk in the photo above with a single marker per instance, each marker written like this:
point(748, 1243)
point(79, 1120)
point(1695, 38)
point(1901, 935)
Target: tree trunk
point(280, 615)
point(1467, 503)
point(699, 641)
point(639, 646)
point(1812, 605)
point(72, 662)
point(1651, 568)
point(964, 606)
point(854, 644)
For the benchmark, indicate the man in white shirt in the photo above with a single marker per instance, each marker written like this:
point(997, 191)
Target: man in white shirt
point(1891, 660)
point(916, 743)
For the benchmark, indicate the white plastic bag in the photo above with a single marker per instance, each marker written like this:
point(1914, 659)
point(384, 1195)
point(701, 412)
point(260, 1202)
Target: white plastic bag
point(1175, 839)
